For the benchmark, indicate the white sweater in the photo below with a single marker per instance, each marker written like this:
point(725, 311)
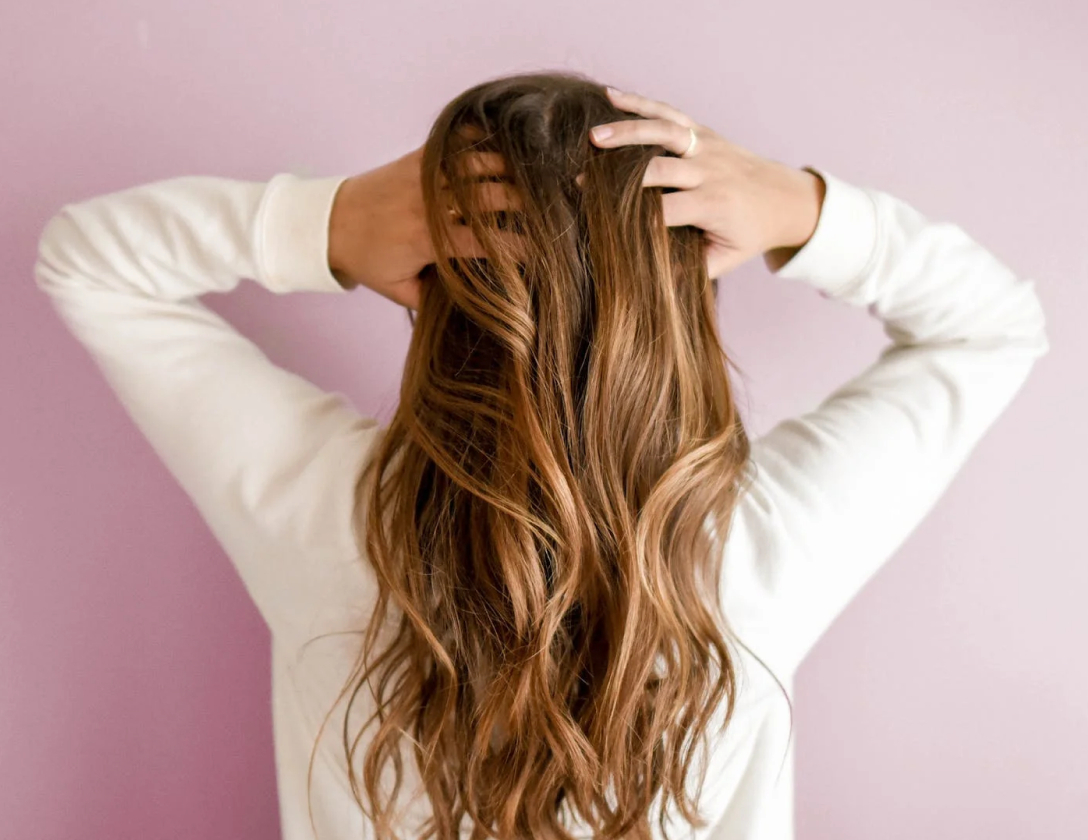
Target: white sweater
point(270, 460)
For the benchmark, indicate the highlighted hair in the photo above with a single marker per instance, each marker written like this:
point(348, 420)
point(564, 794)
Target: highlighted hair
point(537, 510)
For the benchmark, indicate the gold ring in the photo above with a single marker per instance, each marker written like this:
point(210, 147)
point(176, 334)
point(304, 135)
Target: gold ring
point(691, 146)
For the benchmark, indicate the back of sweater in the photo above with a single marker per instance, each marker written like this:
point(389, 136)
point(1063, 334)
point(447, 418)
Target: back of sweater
point(270, 460)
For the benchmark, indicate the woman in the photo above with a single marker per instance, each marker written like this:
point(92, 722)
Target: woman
point(561, 593)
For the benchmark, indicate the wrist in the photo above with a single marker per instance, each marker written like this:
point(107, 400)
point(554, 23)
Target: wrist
point(339, 234)
point(805, 198)
point(805, 206)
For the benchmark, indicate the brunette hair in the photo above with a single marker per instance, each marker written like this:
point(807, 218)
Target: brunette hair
point(538, 509)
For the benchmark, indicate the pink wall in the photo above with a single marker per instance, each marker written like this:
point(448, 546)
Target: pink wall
point(947, 702)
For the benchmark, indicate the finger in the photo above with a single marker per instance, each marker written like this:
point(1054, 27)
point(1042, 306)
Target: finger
point(672, 172)
point(683, 208)
point(666, 172)
point(466, 244)
point(649, 107)
point(663, 132)
point(476, 168)
point(488, 198)
point(480, 166)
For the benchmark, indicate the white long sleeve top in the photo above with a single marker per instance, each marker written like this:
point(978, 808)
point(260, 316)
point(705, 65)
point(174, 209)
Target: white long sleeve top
point(270, 460)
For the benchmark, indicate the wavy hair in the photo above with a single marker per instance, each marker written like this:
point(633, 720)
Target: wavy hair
point(537, 509)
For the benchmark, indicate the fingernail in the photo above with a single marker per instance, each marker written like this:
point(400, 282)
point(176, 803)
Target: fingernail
point(612, 91)
point(601, 132)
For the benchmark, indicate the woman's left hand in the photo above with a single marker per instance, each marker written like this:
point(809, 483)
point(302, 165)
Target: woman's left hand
point(378, 233)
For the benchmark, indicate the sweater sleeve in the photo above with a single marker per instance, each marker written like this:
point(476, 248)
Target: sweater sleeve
point(264, 454)
point(839, 488)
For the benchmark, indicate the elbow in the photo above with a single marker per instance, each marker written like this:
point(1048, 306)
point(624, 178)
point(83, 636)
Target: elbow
point(1023, 322)
point(1039, 322)
point(55, 254)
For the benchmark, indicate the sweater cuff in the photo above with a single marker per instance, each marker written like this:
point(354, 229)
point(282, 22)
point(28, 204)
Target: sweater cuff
point(293, 234)
point(840, 249)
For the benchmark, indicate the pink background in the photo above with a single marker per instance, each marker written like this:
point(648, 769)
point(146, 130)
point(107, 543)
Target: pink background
point(949, 699)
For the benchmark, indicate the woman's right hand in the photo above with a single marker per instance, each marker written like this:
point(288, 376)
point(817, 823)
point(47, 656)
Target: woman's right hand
point(745, 204)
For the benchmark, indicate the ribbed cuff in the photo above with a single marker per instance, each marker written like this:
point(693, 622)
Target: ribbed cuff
point(293, 234)
point(839, 251)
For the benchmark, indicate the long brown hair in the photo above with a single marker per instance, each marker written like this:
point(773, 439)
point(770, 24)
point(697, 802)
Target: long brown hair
point(537, 508)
